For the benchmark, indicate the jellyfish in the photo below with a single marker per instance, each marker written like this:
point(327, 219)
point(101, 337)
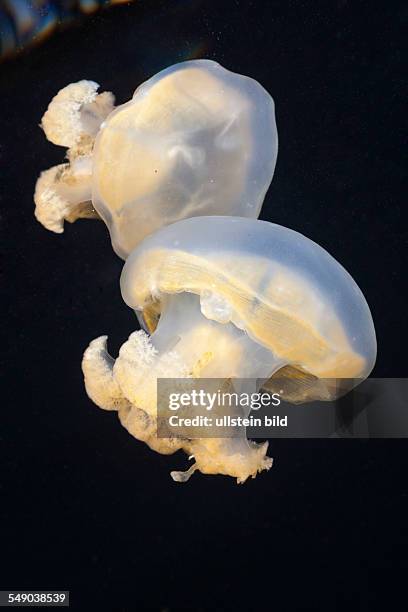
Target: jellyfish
point(195, 140)
point(231, 298)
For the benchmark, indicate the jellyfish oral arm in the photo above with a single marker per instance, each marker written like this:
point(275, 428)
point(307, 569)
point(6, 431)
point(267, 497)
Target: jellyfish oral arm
point(64, 193)
point(186, 344)
point(73, 120)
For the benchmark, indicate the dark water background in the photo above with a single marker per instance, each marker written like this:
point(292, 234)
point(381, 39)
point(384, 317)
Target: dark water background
point(84, 506)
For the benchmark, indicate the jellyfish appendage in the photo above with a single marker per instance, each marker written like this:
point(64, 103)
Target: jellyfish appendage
point(186, 344)
point(72, 120)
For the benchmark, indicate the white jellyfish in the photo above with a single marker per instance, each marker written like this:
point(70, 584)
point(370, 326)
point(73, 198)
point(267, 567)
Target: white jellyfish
point(195, 139)
point(227, 297)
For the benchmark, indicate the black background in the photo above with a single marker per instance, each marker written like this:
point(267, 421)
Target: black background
point(84, 506)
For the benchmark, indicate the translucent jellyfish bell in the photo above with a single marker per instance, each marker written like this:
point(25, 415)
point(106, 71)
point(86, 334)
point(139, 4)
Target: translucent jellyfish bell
point(196, 139)
point(237, 298)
